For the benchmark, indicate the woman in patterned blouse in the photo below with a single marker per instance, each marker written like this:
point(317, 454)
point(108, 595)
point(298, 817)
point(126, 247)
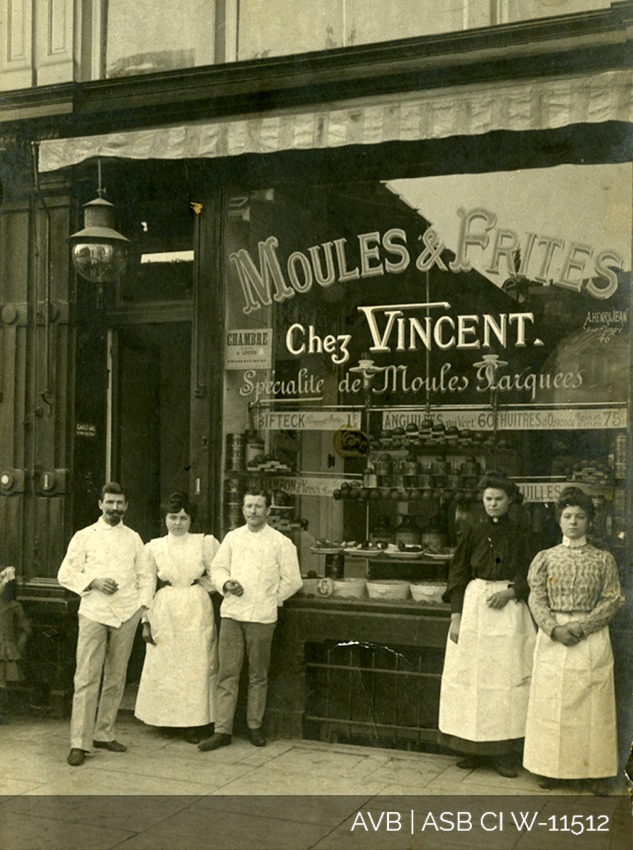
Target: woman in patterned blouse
point(574, 595)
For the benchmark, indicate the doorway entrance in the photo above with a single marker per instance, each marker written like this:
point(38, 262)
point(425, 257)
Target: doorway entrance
point(149, 417)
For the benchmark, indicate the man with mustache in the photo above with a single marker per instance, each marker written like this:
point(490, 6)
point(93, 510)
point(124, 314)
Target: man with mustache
point(256, 569)
point(104, 564)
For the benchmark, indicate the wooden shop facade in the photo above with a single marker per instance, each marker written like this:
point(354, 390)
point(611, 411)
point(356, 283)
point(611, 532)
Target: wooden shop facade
point(359, 277)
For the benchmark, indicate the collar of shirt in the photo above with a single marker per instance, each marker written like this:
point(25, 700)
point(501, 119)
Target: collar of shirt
point(575, 544)
point(105, 526)
point(498, 520)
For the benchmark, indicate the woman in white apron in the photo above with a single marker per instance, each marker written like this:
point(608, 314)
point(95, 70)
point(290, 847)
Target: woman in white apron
point(486, 678)
point(178, 681)
point(574, 595)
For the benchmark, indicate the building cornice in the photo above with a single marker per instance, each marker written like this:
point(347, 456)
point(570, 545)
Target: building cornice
point(573, 44)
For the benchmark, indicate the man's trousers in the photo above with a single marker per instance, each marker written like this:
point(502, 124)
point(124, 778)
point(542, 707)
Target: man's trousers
point(100, 650)
point(236, 639)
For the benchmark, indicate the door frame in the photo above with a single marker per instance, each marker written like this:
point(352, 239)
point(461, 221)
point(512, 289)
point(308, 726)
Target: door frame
point(117, 319)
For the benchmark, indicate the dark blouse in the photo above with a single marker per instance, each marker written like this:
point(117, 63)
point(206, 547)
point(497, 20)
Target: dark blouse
point(496, 550)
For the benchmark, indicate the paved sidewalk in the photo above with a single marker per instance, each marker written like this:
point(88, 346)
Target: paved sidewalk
point(33, 757)
point(192, 799)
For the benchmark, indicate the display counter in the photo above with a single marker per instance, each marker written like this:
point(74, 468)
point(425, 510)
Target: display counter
point(360, 670)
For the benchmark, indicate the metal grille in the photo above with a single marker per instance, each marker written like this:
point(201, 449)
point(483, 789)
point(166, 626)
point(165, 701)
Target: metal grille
point(387, 695)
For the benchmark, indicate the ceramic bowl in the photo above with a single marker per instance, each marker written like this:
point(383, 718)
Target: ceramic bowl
point(430, 591)
point(350, 588)
point(388, 589)
point(309, 587)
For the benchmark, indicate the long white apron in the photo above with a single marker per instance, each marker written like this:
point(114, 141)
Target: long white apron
point(571, 722)
point(179, 675)
point(486, 678)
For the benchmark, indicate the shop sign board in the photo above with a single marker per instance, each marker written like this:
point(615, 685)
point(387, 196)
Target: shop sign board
point(533, 491)
point(545, 491)
point(517, 419)
point(86, 429)
point(308, 420)
point(549, 491)
point(308, 485)
point(248, 348)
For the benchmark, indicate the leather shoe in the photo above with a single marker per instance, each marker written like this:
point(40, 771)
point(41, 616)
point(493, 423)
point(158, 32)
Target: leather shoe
point(76, 757)
point(599, 788)
point(469, 763)
point(217, 740)
point(257, 737)
point(505, 768)
point(192, 735)
point(111, 746)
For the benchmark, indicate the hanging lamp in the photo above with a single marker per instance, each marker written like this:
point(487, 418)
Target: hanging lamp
point(99, 252)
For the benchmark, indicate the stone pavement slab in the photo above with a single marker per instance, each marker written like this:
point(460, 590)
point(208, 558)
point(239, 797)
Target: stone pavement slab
point(295, 794)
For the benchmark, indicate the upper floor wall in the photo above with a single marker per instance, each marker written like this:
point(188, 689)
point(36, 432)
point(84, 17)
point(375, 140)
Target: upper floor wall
point(43, 42)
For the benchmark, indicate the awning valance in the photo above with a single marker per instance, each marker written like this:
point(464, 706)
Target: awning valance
point(537, 104)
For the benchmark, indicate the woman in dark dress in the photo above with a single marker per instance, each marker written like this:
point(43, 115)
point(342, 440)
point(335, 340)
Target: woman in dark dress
point(488, 662)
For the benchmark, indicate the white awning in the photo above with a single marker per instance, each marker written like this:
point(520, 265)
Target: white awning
point(537, 104)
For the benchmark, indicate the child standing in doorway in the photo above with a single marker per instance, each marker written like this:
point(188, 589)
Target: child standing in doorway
point(14, 632)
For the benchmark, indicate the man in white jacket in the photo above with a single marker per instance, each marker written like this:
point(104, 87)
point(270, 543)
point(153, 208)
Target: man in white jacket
point(256, 568)
point(104, 565)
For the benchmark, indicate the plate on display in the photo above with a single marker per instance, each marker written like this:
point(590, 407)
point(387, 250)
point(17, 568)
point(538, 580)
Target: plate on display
point(325, 550)
point(364, 553)
point(438, 556)
point(396, 554)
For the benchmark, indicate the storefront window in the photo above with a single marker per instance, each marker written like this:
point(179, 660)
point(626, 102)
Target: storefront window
point(346, 23)
point(212, 33)
point(388, 341)
point(524, 10)
point(115, 38)
point(171, 37)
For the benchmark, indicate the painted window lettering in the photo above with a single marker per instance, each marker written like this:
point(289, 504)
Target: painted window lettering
point(541, 258)
point(302, 341)
point(391, 330)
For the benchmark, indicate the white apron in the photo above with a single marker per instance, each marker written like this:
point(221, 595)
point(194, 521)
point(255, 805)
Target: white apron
point(486, 678)
point(571, 722)
point(178, 681)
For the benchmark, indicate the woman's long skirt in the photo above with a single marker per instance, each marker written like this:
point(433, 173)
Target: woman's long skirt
point(486, 678)
point(179, 675)
point(571, 721)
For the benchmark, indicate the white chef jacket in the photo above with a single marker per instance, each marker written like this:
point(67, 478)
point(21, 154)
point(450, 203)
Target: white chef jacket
point(107, 551)
point(265, 563)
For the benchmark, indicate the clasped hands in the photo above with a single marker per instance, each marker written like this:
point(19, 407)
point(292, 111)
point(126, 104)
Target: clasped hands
point(496, 600)
point(568, 634)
